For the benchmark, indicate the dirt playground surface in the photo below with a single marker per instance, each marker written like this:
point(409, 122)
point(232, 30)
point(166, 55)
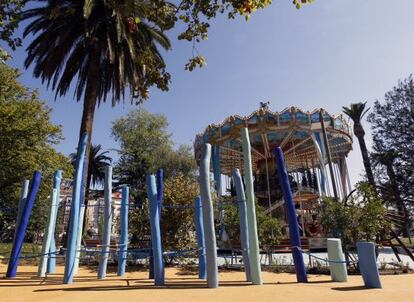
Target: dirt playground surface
point(183, 286)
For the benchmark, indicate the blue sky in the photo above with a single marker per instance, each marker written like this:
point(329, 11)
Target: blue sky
point(327, 54)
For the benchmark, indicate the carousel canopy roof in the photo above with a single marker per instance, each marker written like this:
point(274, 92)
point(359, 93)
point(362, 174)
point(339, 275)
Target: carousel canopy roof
point(290, 129)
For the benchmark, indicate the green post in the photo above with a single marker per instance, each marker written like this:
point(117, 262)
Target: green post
point(254, 256)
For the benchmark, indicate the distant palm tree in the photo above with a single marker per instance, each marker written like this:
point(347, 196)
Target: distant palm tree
point(96, 167)
point(96, 172)
point(356, 112)
point(104, 46)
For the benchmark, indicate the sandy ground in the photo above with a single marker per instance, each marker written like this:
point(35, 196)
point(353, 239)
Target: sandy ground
point(183, 286)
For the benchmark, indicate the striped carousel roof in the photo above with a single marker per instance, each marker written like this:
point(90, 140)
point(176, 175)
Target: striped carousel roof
point(292, 129)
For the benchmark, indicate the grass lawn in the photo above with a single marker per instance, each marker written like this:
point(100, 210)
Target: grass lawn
point(28, 248)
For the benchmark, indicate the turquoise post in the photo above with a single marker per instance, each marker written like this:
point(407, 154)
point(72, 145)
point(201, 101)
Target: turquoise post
point(294, 235)
point(21, 228)
point(47, 238)
point(202, 273)
point(254, 256)
point(123, 238)
point(51, 261)
point(244, 237)
point(79, 239)
point(335, 254)
point(155, 230)
point(74, 211)
point(106, 237)
point(208, 218)
point(367, 261)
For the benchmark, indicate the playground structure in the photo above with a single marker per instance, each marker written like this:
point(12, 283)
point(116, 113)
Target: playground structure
point(204, 217)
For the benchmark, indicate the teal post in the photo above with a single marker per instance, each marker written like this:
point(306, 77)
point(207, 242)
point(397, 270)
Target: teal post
point(244, 237)
point(254, 256)
point(106, 238)
point(79, 239)
point(338, 265)
point(208, 218)
point(198, 210)
point(51, 261)
point(47, 237)
point(74, 211)
point(123, 238)
point(155, 230)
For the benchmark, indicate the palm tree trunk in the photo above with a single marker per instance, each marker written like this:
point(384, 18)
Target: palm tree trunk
point(365, 158)
point(89, 105)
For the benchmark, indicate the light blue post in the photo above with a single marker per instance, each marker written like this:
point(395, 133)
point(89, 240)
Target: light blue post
point(21, 228)
point(338, 265)
point(294, 235)
point(244, 237)
point(254, 253)
point(202, 273)
point(51, 261)
point(106, 238)
point(208, 218)
point(123, 238)
point(22, 203)
point(79, 239)
point(368, 264)
point(155, 230)
point(47, 238)
point(74, 211)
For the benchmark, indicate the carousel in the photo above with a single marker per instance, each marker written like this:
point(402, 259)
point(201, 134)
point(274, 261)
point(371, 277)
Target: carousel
point(315, 145)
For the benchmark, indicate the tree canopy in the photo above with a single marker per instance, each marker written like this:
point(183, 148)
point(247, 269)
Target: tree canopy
point(145, 147)
point(27, 139)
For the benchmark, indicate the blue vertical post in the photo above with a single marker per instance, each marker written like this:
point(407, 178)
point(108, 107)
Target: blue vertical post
point(367, 262)
point(208, 218)
point(254, 251)
point(51, 262)
point(74, 211)
point(106, 237)
point(82, 213)
point(202, 273)
point(160, 189)
point(47, 238)
point(123, 240)
point(155, 230)
point(294, 235)
point(244, 237)
point(21, 228)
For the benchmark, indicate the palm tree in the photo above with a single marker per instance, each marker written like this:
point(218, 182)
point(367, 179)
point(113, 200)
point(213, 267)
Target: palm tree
point(356, 112)
point(105, 46)
point(98, 160)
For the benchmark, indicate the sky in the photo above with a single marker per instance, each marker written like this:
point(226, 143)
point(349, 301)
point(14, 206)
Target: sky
point(327, 54)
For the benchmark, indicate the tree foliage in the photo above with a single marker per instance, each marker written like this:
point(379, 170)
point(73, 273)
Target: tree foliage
point(362, 217)
point(269, 229)
point(392, 123)
point(10, 13)
point(145, 147)
point(27, 139)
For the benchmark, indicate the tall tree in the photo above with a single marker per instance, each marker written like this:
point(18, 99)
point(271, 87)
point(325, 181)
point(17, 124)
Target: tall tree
point(392, 123)
point(145, 147)
point(104, 45)
point(27, 139)
point(356, 112)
